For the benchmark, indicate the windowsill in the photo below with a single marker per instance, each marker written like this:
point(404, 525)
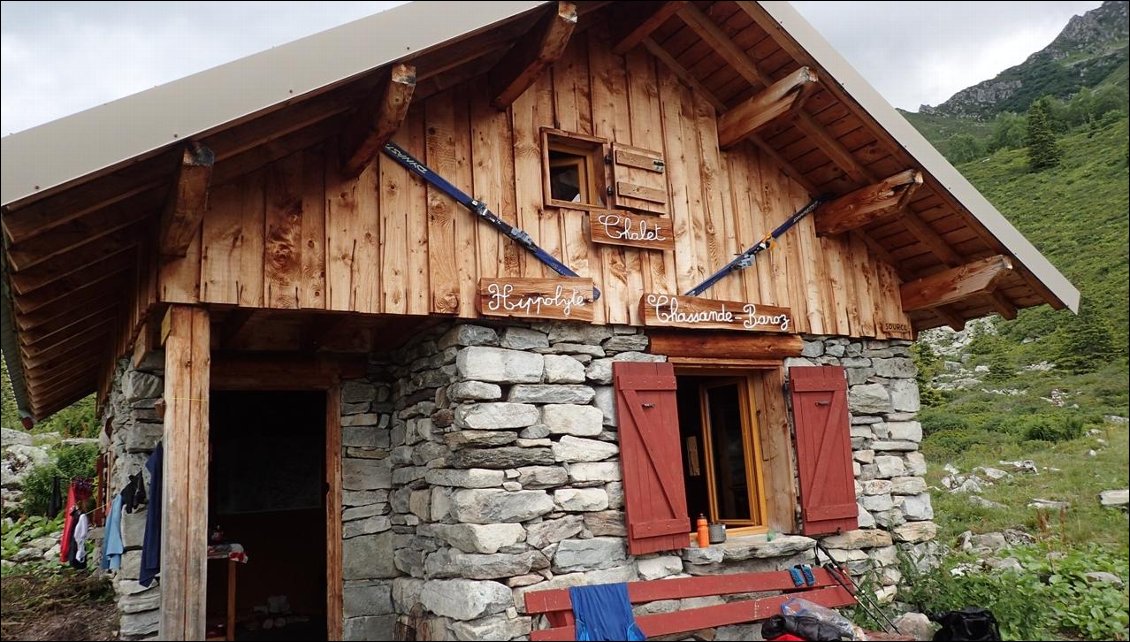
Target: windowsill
point(745, 547)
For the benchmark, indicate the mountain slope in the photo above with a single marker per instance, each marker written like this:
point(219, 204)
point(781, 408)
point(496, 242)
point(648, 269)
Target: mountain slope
point(1090, 49)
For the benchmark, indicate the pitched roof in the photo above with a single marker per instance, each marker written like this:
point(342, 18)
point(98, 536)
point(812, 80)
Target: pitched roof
point(78, 193)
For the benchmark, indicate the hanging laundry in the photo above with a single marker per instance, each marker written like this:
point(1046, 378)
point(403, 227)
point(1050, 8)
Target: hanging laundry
point(112, 546)
point(151, 543)
point(56, 502)
point(82, 531)
point(133, 495)
point(68, 525)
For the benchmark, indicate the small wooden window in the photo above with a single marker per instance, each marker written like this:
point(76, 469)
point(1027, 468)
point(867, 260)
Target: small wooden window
point(573, 168)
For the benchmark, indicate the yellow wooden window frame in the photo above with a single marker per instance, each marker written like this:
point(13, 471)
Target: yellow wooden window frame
point(587, 154)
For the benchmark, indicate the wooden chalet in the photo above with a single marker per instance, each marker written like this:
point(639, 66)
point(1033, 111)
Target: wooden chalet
point(237, 265)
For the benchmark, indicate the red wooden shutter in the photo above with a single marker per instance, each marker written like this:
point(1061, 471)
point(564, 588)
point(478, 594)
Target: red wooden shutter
point(651, 463)
point(823, 449)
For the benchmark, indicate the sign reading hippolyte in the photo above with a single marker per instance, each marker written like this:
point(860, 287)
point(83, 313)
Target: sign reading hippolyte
point(697, 312)
point(563, 298)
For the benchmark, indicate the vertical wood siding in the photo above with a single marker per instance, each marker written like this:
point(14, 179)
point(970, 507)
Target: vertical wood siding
point(297, 235)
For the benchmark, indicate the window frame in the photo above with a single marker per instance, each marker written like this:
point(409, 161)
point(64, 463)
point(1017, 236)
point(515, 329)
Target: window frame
point(591, 152)
point(748, 380)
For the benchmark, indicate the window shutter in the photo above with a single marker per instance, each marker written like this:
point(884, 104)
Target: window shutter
point(650, 460)
point(639, 179)
point(823, 449)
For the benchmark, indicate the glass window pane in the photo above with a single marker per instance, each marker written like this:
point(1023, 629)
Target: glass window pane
point(730, 485)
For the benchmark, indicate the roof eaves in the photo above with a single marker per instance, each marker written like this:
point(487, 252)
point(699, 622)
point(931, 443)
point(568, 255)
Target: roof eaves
point(54, 154)
point(921, 150)
point(10, 345)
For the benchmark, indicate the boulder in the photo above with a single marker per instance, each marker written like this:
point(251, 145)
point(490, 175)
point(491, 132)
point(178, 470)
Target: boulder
point(1114, 498)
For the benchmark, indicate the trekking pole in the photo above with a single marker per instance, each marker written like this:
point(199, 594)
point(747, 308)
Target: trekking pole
point(839, 574)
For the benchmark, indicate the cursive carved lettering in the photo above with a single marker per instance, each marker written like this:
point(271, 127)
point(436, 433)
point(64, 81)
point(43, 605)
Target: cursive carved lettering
point(667, 310)
point(501, 297)
point(621, 227)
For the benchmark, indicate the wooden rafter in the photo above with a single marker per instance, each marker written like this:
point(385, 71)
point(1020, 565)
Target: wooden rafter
point(76, 261)
point(1003, 306)
point(832, 148)
point(531, 55)
point(712, 34)
point(186, 203)
point(638, 21)
point(378, 118)
point(782, 97)
point(867, 204)
point(92, 294)
point(955, 284)
point(931, 239)
point(100, 271)
point(949, 317)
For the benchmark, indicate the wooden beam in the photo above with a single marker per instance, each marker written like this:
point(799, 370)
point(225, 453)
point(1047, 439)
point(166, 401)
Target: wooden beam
point(284, 371)
point(1004, 307)
point(187, 202)
point(184, 536)
point(93, 314)
point(232, 325)
point(334, 571)
point(782, 97)
point(867, 204)
point(931, 239)
point(108, 268)
point(949, 317)
point(77, 260)
point(683, 74)
point(531, 55)
point(955, 284)
point(376, 120)
point(34, 355)
point(832, 148)
point(630, 30)
point(716, 39)
point(724, 344)
point(319, 329)
point(91, 294)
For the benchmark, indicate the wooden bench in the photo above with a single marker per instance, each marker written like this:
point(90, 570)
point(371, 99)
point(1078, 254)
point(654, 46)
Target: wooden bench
point(558, 609)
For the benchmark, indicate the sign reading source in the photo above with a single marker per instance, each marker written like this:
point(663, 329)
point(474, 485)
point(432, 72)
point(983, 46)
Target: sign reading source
point(563, 298)
point(632, 230)
point(694, 312)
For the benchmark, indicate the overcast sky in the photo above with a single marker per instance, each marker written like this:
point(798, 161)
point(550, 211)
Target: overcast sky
point(62, 57)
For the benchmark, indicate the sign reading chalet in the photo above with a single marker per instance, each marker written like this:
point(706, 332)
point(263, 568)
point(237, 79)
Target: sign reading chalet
point(561, 298)
point(649, 232)
point(695, 312)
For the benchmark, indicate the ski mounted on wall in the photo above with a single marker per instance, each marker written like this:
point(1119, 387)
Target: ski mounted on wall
point(745, 259)
point(480, 209)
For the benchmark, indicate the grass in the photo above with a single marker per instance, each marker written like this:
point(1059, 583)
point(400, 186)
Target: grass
point(51, 602)
point(1078, 480)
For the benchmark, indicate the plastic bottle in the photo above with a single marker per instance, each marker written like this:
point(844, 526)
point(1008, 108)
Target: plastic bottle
point(703, 529)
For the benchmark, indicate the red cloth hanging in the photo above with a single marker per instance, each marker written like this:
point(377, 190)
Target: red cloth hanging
point(68, 524)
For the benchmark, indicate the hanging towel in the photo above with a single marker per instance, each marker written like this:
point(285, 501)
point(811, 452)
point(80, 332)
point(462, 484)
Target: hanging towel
point(82, 530)
point(603, 612)
point(112, 547)
point(56, 503)
point(133, 495)
point(68, 526)
point(151, 543)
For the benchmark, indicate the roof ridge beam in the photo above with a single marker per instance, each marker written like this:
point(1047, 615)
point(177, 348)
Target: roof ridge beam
point(955, 284)
point(784, 97)
point(376, 120)
point(186, 203)
point(532, 55)
point(867, 204)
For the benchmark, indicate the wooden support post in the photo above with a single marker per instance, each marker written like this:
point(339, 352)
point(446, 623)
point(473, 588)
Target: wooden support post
point(782, 97)
point(376, 120)
point(866, 204)
point(953, 285)
point(539, 49)
point(645, 17)
point(1004, 307)
point(185, 206)
point(949, 317)
point(184, 533)
point(335, 582)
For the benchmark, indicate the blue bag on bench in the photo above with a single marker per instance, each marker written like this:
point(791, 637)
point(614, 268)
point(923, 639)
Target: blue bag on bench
point(603, 612)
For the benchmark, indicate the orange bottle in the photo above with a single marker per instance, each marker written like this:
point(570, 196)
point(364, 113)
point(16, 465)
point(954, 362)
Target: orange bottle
point(703, 529)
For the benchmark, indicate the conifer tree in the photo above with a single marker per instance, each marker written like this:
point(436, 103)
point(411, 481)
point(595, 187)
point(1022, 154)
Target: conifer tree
point(1043, 151)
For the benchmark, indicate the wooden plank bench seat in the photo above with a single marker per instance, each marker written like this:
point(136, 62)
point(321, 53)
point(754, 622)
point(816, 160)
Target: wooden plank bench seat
point(558, 609)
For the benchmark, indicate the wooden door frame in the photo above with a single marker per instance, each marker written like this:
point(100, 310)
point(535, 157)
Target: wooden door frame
point(252, 373)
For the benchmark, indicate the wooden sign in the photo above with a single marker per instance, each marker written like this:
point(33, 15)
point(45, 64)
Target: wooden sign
point(561, 298)
point(632, 230)
point(695, 312)
point(895, 328)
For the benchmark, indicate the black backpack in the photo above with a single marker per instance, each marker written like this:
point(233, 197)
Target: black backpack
point(970, 623)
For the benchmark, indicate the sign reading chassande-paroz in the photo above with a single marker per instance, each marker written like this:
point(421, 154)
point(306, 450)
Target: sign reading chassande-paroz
point(695, 312)
point(560, 298)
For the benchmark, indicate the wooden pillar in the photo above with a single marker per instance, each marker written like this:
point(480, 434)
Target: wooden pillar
point(184, 532)
point(335, 580)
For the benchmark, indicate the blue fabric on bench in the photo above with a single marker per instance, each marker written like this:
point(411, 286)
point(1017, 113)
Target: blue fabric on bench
point(603, 612)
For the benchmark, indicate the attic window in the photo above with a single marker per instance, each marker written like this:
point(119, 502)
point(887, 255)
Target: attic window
point(573, 167)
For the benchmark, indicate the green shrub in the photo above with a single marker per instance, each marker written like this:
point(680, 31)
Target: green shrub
point(939, 420)
point(1048, 596)
point(70, 461)
point(1049, 427)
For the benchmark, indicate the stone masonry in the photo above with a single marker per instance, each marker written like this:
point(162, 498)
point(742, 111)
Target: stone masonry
point(136, 428)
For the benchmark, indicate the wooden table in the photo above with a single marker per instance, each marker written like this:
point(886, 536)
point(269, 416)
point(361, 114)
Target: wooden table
point(229, 633)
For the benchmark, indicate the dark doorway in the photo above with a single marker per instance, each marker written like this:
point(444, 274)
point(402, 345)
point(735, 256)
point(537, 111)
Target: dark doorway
point(267, 494)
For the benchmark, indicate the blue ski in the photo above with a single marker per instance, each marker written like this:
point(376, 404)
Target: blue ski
point(745, 259)
point(480, 209)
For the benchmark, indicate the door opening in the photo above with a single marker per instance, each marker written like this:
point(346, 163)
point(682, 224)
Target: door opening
point(721, 449)
point(267, 494)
